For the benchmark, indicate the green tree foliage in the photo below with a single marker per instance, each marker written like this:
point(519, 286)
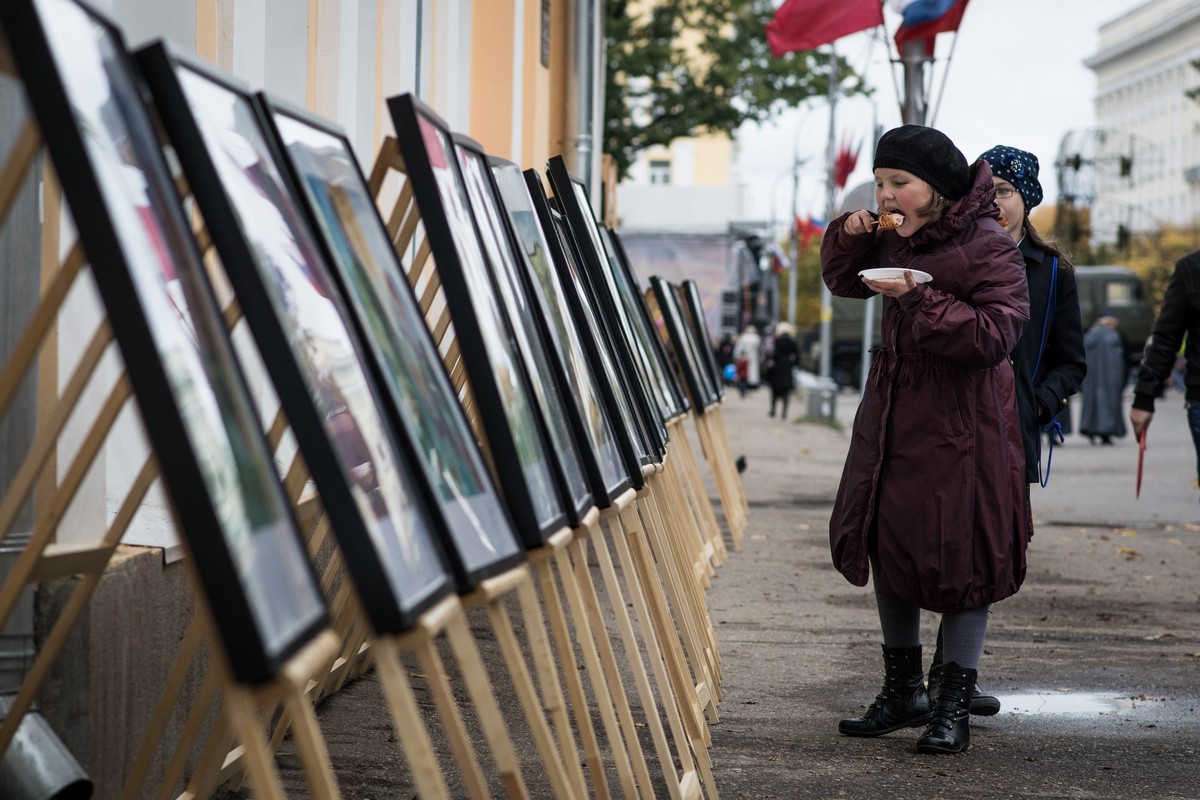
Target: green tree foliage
point(688, 67)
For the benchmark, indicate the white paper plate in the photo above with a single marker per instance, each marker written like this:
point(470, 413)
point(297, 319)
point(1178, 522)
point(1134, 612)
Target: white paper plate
point(885, 273)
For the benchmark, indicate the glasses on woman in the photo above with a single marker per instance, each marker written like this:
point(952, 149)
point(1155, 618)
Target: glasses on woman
point(1005, 192)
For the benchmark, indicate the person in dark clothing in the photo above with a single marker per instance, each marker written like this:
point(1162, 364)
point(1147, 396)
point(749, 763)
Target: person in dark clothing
point(1178, 318)
point(781, 361)
point(935, 526)
point(1049, 359)
point(1106, 376)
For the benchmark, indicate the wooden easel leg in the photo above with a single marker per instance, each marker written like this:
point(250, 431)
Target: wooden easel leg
point(684, 614)
point(518, 670)
point(667, 538)
point(685, 458)
point(686, 743)
point(634, 657)
point(586, 635)
point(475, 677)
point(608, 658)
point(552, 698)
point(407, 724)
point(570, 670)
point(241, 711)
point(314, 756)
point(692, 695)
point(723, 439)
point(456, 732)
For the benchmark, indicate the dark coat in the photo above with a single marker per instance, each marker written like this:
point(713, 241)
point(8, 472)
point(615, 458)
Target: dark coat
point(934, 482)
point(783, 359)
point(1061, 363)
point(1107, 371)
point(1179, 316)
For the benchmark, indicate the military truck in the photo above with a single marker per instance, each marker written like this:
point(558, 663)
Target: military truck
point(1111, 288)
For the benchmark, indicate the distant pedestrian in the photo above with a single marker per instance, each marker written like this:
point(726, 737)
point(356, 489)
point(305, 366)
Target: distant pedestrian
point(724, 350)
point(780, 367)
point(1178, 318)
point(933, 503)
point(749, 347)
point(1102, 417)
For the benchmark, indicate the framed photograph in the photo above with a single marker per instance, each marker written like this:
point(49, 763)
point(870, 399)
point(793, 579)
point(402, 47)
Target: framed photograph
point(303, 331)
point(624, 283)
point(687, 356)
point(651, 395)
point(508, 411)
point(511, 291)
point(632, 438)
point(587, 416)
point(693, 311)
point(235, 519)
point(472, 522)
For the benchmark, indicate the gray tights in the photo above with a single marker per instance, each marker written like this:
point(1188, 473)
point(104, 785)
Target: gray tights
point(963, 632)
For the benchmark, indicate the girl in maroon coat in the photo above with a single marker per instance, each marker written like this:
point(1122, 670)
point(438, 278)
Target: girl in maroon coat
point(932, 501)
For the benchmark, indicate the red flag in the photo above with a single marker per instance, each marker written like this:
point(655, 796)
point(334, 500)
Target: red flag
point(945, 23)
point(807, 228)
point(805, 24)
point(845, 162)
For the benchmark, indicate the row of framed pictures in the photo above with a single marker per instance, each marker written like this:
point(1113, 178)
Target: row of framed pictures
point(574, 372)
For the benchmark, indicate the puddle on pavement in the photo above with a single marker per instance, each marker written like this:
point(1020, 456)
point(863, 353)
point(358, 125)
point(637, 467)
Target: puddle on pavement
point(1067, 703)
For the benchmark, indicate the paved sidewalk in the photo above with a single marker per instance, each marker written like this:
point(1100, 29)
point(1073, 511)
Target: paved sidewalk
point(1096, 661)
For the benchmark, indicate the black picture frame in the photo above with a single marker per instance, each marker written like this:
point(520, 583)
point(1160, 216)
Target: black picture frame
point(510, 289)
point(470, 516)
point(632, 439)
point(520, 452)
point(229, 504)
point(651, 397)
point(589, 420)
point(693, 308)
point(687, 356)
point(674, 401)
point(303, 332)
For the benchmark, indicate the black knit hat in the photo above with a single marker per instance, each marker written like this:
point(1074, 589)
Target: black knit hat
point(927, 153)
point(1018, 167)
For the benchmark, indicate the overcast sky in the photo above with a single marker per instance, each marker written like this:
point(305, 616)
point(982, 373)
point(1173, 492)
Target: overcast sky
point(1016, 77)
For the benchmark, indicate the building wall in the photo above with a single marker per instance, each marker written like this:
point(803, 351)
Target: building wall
point(1143, 67)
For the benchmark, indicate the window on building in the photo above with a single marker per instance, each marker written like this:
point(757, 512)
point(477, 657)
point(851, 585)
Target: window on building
point(660, 172)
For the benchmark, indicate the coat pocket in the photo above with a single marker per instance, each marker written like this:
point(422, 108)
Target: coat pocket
point(952, 409)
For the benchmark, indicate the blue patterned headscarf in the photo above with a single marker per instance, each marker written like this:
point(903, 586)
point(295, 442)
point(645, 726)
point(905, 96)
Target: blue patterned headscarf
point(1018, 167)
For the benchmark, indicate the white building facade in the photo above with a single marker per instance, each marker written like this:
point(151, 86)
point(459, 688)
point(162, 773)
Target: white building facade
point(1146, 153)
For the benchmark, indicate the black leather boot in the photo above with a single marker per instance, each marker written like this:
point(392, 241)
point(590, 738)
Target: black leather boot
point(982, 705)
point(901, 703)
point(949, 730)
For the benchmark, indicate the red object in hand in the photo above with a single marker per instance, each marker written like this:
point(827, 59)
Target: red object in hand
point(1141, 461)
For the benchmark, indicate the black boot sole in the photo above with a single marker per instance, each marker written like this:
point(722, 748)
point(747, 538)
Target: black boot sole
point(915, 722)
point(985, 706)
point(933, 749)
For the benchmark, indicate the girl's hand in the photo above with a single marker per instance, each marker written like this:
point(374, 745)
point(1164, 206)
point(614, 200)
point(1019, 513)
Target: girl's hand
point(892, 287)
point(858, 223)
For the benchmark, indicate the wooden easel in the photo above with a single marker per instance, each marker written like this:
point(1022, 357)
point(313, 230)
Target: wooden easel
point(567, 781)
point(714, 442)
point(599, 659)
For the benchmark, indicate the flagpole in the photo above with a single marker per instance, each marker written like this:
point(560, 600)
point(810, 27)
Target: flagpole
point(826, 329)
point(913, 58)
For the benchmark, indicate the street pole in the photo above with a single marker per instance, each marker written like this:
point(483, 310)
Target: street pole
point(914, 60)
point(826, 330)
point(794, 276)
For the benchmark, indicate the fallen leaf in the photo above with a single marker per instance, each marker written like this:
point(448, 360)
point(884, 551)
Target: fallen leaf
point(1127, 531)
point(1156, 636)
point(1175, 541)
point(1127, 551)
point(757, 537)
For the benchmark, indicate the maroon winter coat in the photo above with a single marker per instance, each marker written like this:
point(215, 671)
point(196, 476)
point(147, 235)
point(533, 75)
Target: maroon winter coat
point(935, 475)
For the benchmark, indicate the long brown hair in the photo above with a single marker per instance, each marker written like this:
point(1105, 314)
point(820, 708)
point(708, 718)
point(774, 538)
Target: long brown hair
point(1049, 245)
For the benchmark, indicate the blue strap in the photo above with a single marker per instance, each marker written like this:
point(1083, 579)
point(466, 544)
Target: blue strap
point(1054, 428)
